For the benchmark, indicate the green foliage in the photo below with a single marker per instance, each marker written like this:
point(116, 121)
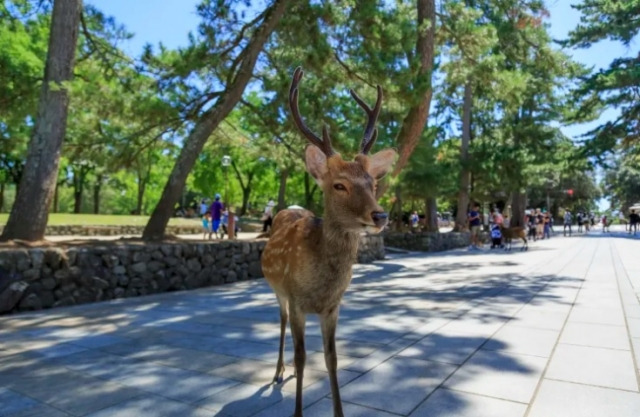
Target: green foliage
point(616, 86)
point(128, 116)
point(605, 19)
point(622, 181)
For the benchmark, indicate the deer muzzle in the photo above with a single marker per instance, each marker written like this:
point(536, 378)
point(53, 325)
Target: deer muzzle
point(380, 218)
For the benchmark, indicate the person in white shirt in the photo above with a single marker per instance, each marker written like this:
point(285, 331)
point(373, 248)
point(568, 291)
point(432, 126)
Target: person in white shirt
point(267, 217)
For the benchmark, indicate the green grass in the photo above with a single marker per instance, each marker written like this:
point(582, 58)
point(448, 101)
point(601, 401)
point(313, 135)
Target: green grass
point(66, 219)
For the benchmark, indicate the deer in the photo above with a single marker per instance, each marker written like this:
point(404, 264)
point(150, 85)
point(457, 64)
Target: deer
point(308, 260)
point(516, 232)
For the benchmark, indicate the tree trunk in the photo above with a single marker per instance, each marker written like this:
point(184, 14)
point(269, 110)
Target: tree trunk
point(282, 191)
point(246, 188)
point(517, 209)
point(465, 174)
point(79, 180)
point(416, 119)
point(142, 186)
point(29, 214)
point(1, 196)
point(77, 200)
point(209, 121)
point(97, 187)
point(246, 193)
point(431, 214)
point(56, 196)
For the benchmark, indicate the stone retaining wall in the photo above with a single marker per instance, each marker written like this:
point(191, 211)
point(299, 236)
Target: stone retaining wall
point(37, 278)
point(427, 241)
point(97, 230)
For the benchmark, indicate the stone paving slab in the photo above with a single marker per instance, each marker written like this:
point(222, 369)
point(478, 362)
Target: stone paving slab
point(506, 376)
point(594, 366)
point(564, 399)
point(405, 382)
point(523, 340)
point(448, 403)
point(596, 335)
point(552, 332)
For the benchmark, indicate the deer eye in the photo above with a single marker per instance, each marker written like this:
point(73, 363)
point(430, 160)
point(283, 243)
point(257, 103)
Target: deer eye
point(339, 187)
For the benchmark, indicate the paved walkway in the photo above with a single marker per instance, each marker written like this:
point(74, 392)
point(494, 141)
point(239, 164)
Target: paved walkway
point(552, 332)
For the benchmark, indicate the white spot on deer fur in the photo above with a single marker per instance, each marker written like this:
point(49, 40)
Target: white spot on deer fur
point(286, 268)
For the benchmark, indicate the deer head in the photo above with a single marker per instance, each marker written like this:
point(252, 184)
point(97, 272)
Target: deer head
point(349, 186)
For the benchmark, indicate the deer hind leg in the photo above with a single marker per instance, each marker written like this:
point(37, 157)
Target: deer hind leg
point(526, 245)
point(329, 323)
point(284, 316)
point(297, 320)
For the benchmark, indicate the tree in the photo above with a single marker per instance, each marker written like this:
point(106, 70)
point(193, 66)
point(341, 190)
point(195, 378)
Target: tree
point(428, 176)
point(28, 217)
point(535, 78)
point(622, 181)
point(23, 50)
point(416, 118)
point(393, 46)
point(616, 86)
point(238, 71)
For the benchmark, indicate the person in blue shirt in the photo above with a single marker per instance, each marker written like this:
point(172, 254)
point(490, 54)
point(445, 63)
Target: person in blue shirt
point(205, 225)
point(415, 221)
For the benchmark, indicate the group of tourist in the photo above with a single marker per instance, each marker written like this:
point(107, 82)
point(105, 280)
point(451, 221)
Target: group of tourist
point(215, 219)
point(540, 224)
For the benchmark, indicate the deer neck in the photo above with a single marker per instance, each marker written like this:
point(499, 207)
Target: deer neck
point(339, 246)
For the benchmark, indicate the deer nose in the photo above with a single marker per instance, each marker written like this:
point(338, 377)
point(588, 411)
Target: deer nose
point(379, 218)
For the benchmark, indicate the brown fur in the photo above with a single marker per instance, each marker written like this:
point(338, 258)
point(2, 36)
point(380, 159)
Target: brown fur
point(516, 232)
point(307, 260)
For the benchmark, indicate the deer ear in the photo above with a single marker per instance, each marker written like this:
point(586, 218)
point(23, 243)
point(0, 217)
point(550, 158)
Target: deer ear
point(380, 163)
point(316, 163)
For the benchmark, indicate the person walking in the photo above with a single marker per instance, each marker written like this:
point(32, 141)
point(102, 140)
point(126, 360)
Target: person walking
point(567, 222)
point(539, 224)
point(546, 228)
point(216, 214)
point(474, 226)
point(634, 219)
point(605, 223)
point(267, 216)
point(206, 230)
point(579, 218)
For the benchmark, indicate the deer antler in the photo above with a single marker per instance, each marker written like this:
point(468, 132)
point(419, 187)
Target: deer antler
point(325, 143)
point(370, 131)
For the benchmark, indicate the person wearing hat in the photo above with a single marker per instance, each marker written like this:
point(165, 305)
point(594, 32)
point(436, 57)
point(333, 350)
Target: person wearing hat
point(216, 210)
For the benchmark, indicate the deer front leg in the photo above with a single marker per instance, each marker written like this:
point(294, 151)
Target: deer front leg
point(298, 321)
point(284, 316)
point(329, 323)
